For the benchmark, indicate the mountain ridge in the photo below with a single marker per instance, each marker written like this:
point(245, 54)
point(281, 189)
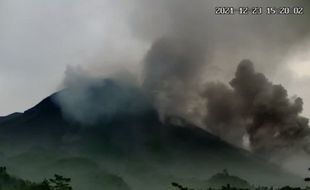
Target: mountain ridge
point(131, 145)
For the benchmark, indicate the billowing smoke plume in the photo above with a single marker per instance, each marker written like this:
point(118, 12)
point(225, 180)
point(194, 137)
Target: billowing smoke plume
point(172, 69)
point(178, 55)
point(191, 47)
point(223, 113)
point(257, 108)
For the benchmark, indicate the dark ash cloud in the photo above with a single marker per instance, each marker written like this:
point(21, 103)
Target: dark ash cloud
point(258, 108)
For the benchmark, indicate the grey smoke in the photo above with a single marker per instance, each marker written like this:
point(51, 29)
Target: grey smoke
point(90, 100)
point(193, 54)
point(258, 108)
point(171, 76)
point(223, 116)
point(191, 45)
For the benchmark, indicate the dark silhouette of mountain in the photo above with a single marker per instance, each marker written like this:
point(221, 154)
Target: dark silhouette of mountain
point(41, 121)
point(9, 117)
point(135, 145)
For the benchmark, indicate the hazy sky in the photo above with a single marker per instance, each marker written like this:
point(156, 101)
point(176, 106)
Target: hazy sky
point(40, 38)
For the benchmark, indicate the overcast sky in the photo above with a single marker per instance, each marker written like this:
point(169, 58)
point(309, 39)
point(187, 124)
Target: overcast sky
point(39, 39)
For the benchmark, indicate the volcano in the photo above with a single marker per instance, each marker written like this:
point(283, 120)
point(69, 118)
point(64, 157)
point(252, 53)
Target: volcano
point(123, 149)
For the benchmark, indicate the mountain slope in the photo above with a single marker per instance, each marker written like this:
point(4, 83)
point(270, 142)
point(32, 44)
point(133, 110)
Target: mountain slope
point(134, 145)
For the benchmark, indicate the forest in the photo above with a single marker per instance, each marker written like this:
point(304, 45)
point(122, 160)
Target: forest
point(58, 182)
point(8, 182)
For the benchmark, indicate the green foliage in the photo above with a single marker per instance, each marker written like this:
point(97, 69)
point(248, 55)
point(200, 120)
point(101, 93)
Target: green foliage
point(228, 187)
point(224, 178)
point(60, 183)
point(8, 182)
point(41, 186)
point(180, 187)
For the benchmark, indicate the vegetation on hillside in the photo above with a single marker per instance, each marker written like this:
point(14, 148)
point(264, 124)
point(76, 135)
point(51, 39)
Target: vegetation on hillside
point(223, 178)
point(228, 187)
point(8, 182)
point(225, 181)
point(219, 181)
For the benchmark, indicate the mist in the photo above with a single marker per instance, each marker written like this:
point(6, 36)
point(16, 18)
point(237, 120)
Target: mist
point(189, 56)
point(93, 34)
point(178, 54)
